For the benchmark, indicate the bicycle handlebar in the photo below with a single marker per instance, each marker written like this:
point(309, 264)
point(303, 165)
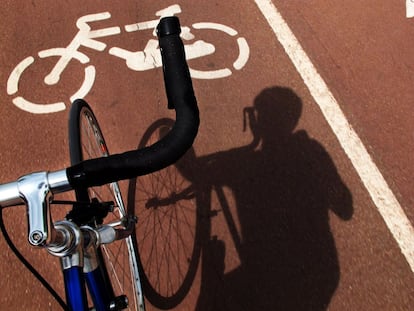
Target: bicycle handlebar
point(180, 94)
point(36, 189)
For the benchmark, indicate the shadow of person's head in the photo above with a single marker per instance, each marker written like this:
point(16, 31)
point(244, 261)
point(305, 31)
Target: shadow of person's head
point(275, 113)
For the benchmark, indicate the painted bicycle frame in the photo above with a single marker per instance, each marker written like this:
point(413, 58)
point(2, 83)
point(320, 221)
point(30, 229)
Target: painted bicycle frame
point(75, 279)
point(78, 272)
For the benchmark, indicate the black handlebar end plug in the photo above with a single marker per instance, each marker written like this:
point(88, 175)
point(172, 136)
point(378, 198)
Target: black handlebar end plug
point(168, 26)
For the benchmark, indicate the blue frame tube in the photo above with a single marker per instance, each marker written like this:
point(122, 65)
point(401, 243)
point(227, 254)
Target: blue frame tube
point(98, 290)
point(75, 288)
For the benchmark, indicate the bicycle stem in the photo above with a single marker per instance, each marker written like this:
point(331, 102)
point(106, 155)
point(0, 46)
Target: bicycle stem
point(36, 191)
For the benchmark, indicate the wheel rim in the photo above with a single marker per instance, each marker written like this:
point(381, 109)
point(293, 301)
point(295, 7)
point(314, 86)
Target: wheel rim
point(119, 256)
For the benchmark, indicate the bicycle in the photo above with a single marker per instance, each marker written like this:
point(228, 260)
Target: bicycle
point(98, 218)
point(147, 59)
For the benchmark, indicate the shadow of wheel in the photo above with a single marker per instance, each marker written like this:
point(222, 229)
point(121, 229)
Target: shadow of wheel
point(168, 232)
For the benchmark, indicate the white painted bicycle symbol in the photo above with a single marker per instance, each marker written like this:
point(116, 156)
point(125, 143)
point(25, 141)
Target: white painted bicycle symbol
point(147, 59)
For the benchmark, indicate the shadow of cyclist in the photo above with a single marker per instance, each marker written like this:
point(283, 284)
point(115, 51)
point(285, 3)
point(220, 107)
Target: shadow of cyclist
point(284, 184)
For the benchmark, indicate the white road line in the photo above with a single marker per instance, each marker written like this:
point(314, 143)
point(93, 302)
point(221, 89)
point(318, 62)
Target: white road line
point(381, 194)
point(409, 8)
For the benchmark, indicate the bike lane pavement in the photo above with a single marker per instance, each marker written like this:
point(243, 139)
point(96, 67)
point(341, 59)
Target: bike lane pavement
point(364, 56)
point(364, 268)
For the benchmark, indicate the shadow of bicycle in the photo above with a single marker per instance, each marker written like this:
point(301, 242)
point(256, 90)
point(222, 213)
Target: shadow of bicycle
point(283, 183)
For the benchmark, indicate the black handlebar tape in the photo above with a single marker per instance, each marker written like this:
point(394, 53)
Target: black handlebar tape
point(168, 32)
point(169, 149)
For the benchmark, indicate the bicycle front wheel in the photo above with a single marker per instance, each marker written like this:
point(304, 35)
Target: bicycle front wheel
point(120, 258)
point(168, 229)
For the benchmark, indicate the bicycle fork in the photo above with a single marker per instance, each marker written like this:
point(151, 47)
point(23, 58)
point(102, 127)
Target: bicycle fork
point(82, 264)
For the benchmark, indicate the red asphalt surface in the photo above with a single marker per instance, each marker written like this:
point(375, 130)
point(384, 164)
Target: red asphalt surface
point(307, 244)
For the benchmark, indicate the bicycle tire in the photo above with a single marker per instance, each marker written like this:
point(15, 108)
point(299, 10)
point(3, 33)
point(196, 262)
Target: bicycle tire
point(86, 141)
point(160, 228)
